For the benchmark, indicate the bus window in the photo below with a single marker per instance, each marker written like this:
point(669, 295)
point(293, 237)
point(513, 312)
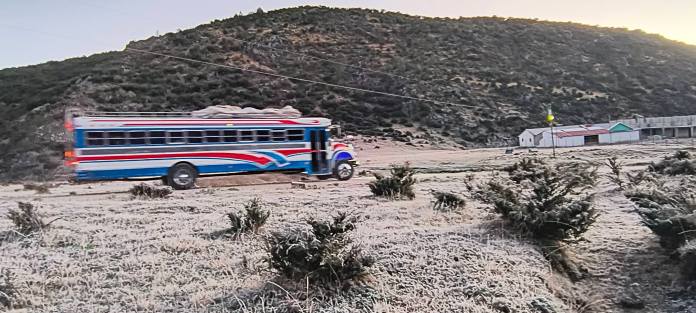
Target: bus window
point(212, 136)
point(229, 135)
point(95, 138)
point(295, 134)
point(116, 138)
point(158, 138)
point(176, 137)
point(263, 135)
point(195, 136)
point(136, 138)
point(278, 135)
point(246, 135)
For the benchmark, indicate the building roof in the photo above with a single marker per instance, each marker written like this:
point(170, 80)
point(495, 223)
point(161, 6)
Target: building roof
point(582, 130)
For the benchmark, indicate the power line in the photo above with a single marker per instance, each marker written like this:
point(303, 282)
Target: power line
point(299, 79)
point(318, 58)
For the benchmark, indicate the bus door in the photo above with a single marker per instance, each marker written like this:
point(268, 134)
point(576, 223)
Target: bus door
point(318, 141)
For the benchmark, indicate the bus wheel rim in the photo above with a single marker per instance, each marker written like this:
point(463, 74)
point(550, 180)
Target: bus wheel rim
point(344, 170)
point(182, 177)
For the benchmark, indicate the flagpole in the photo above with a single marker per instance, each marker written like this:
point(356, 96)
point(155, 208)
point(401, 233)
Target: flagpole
point(550, 118)
point(553, 141)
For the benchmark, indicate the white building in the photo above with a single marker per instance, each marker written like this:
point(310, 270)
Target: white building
point(578, 135)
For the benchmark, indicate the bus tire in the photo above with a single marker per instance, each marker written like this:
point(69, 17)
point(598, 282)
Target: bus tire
point(343, 170)
point(182, 176)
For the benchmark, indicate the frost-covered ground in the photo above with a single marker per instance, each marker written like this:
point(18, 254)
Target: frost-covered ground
point(111, 253)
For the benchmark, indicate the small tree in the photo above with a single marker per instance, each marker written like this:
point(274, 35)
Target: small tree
point(325, 254)
point(554, 209)
point(250, 220)
point(27, 220)
point(681, 163)
point(397, 186)
point(670, 212)
point(615, 166)
point(150, 192)
point(445, 201)
point(551, 206)
point(8, 291)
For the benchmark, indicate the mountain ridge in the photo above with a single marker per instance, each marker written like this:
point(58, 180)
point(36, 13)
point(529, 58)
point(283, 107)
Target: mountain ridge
point(505, 72)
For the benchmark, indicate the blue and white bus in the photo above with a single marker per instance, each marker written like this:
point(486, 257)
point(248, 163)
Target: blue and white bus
point(178, 147)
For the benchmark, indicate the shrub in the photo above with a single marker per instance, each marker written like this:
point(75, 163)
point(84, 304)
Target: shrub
point(533, 169)
point(549, 211)
point(250, 220)
point(445, 201)
point(670, 212)
point(687, 255)
point(39, 188)
point(554, 208)
point(526, 169)
point(397, 186)
point(148, 191)
point(325, 254)
point(616, 167)
point(634, 180)
point(8, 291)
point(681, 163)
point(26, 219)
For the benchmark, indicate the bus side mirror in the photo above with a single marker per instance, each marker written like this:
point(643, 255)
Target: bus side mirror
point(335, 131)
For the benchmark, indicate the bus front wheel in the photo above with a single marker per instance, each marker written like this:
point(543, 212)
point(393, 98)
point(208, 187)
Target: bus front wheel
point(344, 170)
point(182, 176)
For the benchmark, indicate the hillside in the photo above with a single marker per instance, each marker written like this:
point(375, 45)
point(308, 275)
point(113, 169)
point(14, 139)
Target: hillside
point(510, 69)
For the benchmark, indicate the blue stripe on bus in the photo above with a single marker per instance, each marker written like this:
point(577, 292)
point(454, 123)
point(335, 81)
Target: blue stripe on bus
point(204, 169)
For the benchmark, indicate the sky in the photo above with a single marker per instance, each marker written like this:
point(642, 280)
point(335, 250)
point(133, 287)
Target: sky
point(36, 31)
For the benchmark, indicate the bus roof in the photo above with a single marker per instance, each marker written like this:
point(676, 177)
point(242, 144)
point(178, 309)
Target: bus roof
point(183, 121)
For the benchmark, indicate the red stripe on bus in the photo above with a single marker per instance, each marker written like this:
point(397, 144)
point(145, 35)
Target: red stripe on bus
point(222, 155)
point(287, 152)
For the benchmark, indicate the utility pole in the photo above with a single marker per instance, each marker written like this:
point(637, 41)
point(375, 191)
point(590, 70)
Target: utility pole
point(550, 118)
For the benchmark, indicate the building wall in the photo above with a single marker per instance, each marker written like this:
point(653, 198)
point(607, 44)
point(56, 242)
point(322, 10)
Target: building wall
point(526, 139)
point(574, 141)
point(619, 137)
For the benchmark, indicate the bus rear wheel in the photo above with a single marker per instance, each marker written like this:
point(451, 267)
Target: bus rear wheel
point(182, 176)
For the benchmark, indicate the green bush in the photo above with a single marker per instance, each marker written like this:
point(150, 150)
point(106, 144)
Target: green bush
point(681, 163)
point(250, 220)
point(616, 167)
point(39, 188)
point(687, 256)
point(670, 212)
point(8, 291)
point(551, 206)
point(150, 192)
point(554, 209)
point(446, 201)
point(397, 186)
point(325, 254)
point(26, 219)
point(526, 169)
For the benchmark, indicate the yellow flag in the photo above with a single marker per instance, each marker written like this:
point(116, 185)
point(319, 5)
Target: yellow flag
point(549, 116)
